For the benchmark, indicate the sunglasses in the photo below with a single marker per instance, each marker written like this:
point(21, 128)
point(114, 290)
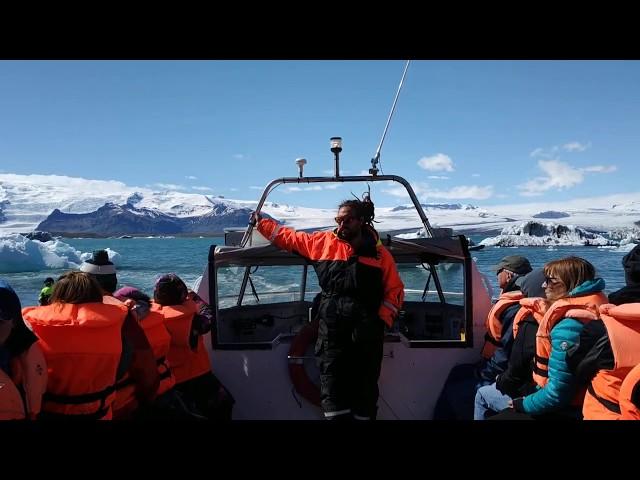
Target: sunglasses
point(344, 219)
point(551, 280)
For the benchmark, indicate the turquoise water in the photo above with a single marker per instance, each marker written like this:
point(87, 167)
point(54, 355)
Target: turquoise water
point(143, 259)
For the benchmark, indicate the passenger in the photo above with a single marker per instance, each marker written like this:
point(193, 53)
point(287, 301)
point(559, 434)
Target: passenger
point(188, 318)
point(609, 348)
point(361, 292)
point(45, 293)
point(630, 395)
point(574, 294)
point(631, 292)
point(23, 368)
point(456, 401)
point(499, 337)
point(82, 344)
point(138, 363)
point(168, 403)
point(517, 380)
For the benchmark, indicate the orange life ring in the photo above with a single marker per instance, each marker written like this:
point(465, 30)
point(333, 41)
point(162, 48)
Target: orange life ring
point(301, 382)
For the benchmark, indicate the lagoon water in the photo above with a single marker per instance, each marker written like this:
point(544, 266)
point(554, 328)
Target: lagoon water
point(143, 259)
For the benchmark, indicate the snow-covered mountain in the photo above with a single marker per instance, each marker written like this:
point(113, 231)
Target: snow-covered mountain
point(28, 200)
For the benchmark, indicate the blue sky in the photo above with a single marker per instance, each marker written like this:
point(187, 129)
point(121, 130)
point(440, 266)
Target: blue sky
point(479, 132)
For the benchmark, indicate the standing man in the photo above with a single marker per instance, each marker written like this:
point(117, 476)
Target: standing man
point(361, 292)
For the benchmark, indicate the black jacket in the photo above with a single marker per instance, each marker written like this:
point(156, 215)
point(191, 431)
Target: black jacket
point(592, 353)
point(628, 294)
point(517, 380)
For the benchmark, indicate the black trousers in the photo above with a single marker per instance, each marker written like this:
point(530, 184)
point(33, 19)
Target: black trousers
point(349, 350)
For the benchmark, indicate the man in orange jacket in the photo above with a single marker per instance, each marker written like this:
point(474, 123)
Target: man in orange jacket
point(361, 292)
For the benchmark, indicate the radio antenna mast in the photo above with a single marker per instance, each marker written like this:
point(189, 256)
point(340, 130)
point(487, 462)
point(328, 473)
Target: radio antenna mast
point(376, 158)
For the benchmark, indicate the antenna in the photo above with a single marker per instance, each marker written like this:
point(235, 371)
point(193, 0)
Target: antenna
point(376, 158)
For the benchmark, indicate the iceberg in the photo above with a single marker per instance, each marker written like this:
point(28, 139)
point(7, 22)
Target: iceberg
point(535, 234)
point(20, 254)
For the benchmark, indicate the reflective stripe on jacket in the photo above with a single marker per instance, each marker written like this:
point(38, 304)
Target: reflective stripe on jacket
point(601, 401)
point(82, 346)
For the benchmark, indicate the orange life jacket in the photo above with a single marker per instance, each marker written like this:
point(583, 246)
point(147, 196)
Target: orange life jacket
point(185, 363)
point(11, 405)
point(628, 409)
point(82, 345)
point(160, 340)
point(583, 308)
point(623, 328)
point(529, 306)
point(493, 323)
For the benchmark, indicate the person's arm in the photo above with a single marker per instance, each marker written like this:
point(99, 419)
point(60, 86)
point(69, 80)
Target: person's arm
point(287, 238)
point(498, 362)
point(561, 384)
point(393, 288)
point(202, 321)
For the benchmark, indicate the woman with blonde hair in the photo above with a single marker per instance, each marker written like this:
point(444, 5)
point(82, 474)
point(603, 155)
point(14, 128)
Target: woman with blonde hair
point(82, 343)
point(573, 294)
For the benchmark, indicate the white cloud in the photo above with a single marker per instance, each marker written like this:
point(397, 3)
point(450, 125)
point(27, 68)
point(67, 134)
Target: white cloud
point(191, 177)
point(437, 162)
point(333, 186)
point(238, 156)
point(475, 174)
point(537, 152)
point(601, 168)
point(203, 189)
point(169, 186)
point(438, 177)
point(425, 193)
point(292, 189)
point(255, 187)
point(559, 175)
point(474, 192)
point(575, 146)
point(313, 187)
point(342, 172)
point(567, 147)
point(233, 189)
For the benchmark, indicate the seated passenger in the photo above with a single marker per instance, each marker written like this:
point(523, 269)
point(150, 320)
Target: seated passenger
point(630, 395)
point(23, 368)
point(168, 403)
point(517, 380)
point(188, 318)
point(608, 349)
point(81, 340)
point(137, 366)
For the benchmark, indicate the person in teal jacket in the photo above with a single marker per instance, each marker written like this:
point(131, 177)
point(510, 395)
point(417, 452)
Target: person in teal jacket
point(571, 278)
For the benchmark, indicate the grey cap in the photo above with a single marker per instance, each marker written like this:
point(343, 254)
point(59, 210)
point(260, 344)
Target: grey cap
point(514, 263)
